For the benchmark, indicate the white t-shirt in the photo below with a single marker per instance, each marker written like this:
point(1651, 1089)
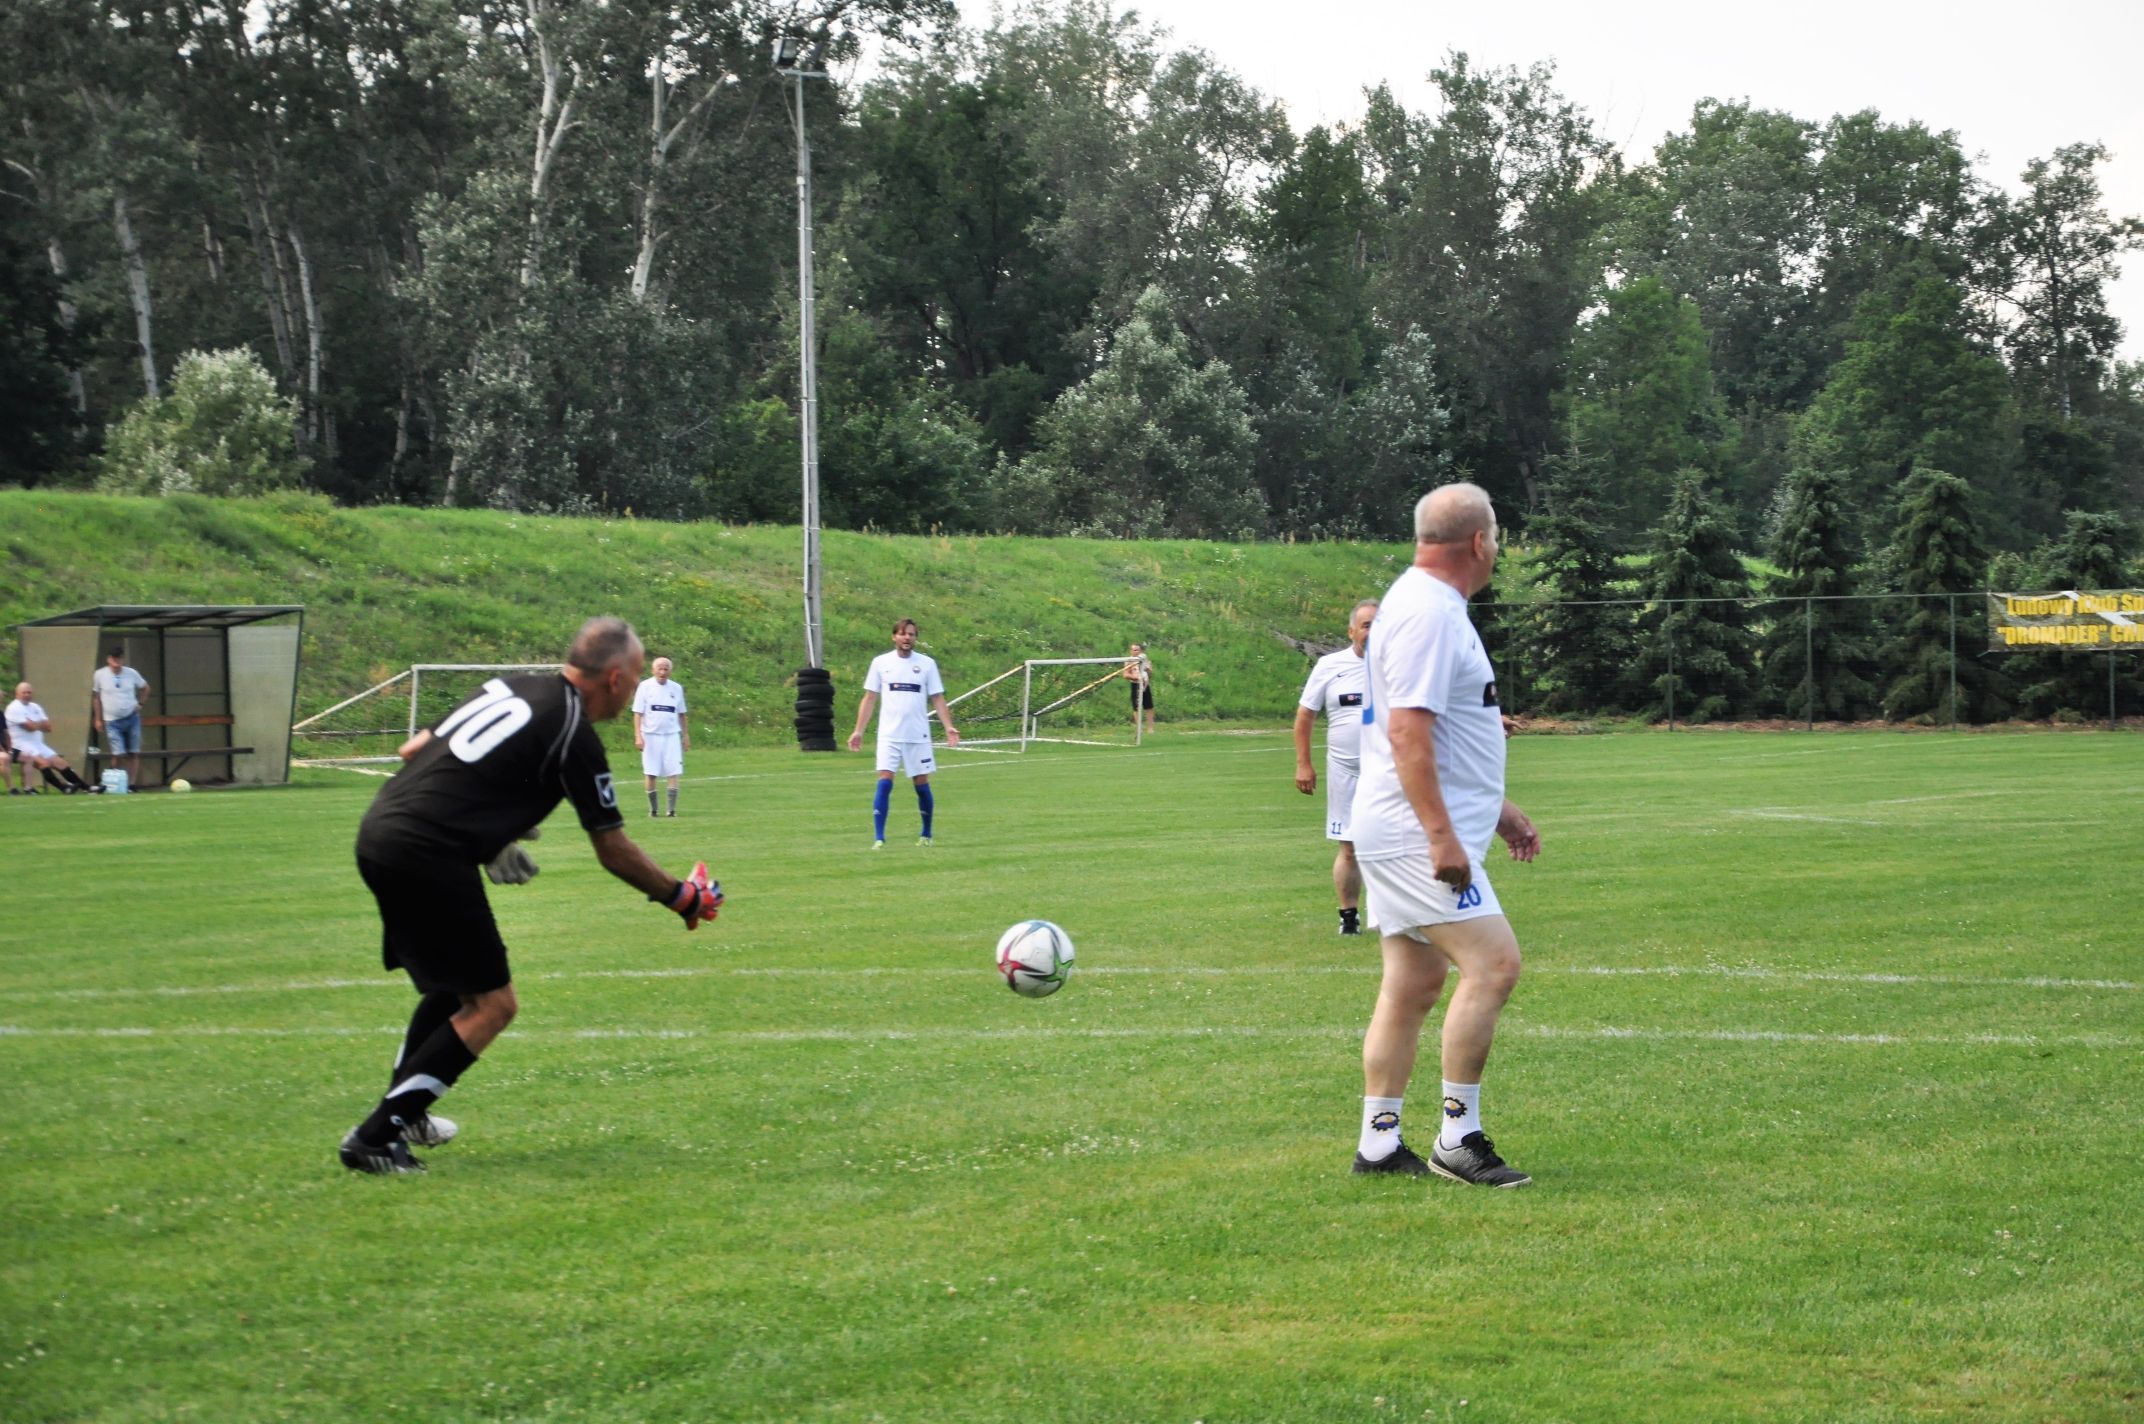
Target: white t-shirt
point(19, 715)
point(661, 706)
point(118, 691)
point(905, 687)
point(1336, 688)
point(1425, 653)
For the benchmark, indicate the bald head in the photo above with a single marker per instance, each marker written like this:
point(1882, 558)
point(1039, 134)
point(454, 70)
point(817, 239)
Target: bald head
point(602, 644)
point(1453, 514)
point(1455, 536)
point(605, 664)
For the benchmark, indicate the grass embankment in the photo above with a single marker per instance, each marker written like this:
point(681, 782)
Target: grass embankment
point(384, 588)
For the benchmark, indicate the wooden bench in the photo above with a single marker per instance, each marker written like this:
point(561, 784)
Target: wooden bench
point(176, 758)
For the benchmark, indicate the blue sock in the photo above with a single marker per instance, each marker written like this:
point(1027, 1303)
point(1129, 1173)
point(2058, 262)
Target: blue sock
point(927, 803)
point(881, 800)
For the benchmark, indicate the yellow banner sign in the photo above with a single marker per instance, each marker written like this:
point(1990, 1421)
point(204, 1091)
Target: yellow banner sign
point(2079, 621)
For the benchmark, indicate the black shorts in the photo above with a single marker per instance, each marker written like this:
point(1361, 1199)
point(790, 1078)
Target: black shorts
point(437, 925)
point(1142, 697)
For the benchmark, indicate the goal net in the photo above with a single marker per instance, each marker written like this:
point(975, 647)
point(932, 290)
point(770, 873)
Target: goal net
point(365, 729)
point(1081, 701)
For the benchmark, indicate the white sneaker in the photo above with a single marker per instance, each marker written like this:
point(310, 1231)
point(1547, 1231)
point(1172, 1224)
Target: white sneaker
point(878, 845)
point(431, 1130)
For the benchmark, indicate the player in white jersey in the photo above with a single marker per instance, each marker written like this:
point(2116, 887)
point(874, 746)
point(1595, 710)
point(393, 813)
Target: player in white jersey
point(911, 688)
point(660, 732)
point(1335, 689)
point(1432, 795)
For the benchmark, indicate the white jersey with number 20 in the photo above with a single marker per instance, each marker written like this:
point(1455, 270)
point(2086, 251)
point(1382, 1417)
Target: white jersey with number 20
point(1424, 653)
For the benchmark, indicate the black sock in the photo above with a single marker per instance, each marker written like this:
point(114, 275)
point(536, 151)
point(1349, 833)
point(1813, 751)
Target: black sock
point(432, 1010)
point(651, 803)
point(73, 779)
point(52, 778)
point(1348, 914)
point(673, 800)
point(426, 1074)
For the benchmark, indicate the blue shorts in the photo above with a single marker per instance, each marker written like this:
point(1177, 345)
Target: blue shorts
point(122, 735)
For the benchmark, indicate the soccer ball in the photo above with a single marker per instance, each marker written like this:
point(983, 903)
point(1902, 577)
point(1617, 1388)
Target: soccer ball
point(1035, 958)
point(181, 784)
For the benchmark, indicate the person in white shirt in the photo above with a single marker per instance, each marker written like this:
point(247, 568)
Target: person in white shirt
point(26, 728)
point(660, 732)
point(1139, 672)
point(115, 708)
point(1335, 689)
point(1432, 795)
point(909, 683)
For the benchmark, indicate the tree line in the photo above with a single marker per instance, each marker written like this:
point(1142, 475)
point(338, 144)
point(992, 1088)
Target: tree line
point(540, 255)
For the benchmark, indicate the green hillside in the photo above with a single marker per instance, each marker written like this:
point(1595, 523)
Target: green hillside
point(387, 587)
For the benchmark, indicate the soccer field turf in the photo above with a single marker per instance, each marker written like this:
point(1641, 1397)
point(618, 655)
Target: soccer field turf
point(1828, 1064)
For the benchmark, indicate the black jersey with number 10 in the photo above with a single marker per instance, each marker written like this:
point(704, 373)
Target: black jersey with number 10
point(496, 765)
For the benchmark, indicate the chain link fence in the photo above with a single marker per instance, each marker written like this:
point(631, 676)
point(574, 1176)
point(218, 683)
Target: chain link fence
point(1843, 660)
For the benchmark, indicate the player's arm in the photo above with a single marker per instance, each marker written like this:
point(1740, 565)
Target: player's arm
point(96, 707)
point(945, 717)
point(1518, 832)
point(1414, 757)
point(1306, 775)
point(640, 741)
point(864, 706)
point(414, 745)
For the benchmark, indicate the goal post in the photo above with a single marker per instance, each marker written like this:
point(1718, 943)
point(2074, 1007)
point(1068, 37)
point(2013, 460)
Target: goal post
point(1061, 700)
point(365, 728)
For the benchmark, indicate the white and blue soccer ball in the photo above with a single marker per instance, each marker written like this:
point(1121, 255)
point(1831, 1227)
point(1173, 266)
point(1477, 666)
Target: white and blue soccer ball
point(1035, 958)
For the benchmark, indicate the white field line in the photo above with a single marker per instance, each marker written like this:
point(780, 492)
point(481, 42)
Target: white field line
point(1016, 1035)
point(1187, 971)
point(1767, 814)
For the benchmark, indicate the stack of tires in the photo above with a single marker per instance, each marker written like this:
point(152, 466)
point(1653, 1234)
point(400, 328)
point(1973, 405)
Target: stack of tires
point(815, 710)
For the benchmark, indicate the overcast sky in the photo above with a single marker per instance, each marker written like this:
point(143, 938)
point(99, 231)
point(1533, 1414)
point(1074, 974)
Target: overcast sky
point(2016, 81)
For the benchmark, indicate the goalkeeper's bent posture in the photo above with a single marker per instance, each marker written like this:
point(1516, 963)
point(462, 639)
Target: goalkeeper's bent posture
point(470, 787)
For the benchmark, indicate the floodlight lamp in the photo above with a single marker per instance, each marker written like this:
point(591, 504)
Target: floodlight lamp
point(787, 48)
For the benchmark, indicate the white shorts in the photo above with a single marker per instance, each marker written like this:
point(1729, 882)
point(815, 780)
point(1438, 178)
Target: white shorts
point(1402, 895)
point(912, 757)
point(33, 744)
point(663, 755)
point(1339, 800)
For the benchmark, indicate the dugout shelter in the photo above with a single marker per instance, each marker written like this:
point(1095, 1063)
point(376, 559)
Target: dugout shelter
point(223, 684)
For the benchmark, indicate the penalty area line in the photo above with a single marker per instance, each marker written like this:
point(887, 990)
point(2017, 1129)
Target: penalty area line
point(745, 1037)
point(1144, 971)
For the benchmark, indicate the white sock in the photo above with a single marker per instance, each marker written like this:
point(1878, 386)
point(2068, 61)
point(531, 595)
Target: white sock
point(1380, 1129)
point(1462, 1113)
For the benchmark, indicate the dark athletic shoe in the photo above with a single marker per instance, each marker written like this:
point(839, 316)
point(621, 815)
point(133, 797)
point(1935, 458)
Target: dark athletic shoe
point(1402, 1161)
point(360, 1156)
point(1474, 1161)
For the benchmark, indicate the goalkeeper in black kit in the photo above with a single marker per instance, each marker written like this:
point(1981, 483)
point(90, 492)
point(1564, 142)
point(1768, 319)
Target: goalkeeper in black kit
point(469, 789)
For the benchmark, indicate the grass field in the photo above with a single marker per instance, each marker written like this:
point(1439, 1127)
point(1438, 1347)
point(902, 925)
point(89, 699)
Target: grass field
point(1829, 1066)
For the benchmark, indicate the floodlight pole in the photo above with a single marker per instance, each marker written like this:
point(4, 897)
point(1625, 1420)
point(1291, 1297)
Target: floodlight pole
point(792, 65)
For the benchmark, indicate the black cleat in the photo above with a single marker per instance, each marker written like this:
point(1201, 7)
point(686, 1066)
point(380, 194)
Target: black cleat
point(1402, 1161)
point(1474, 1161)
point(361, 1156)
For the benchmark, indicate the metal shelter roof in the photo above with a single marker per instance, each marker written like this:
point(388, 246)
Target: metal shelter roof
point(165, 615)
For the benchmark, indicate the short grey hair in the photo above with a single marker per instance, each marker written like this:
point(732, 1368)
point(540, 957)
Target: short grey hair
point(1451, 514)
point(1365, 603)
point(602, 644)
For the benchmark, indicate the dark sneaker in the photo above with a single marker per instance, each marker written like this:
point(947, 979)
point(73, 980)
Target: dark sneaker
point(430, 1130)
point(1403, 1161)
point(1474, 1161)
point(361, 1156)
point(1351, 927)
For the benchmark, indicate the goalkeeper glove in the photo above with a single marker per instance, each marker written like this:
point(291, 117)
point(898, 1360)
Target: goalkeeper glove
point(694, 899)
point(511, 866)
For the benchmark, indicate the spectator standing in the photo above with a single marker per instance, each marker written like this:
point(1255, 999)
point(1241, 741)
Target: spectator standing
point(1139, 672)
point(116, 709)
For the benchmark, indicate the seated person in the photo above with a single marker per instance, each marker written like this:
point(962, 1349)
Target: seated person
point(26, 727)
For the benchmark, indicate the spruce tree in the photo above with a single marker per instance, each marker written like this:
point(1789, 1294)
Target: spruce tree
point(1579, 646)
point(1698, 657)
point(2091, 553)
point(1816, 625)
point(1937, 550)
